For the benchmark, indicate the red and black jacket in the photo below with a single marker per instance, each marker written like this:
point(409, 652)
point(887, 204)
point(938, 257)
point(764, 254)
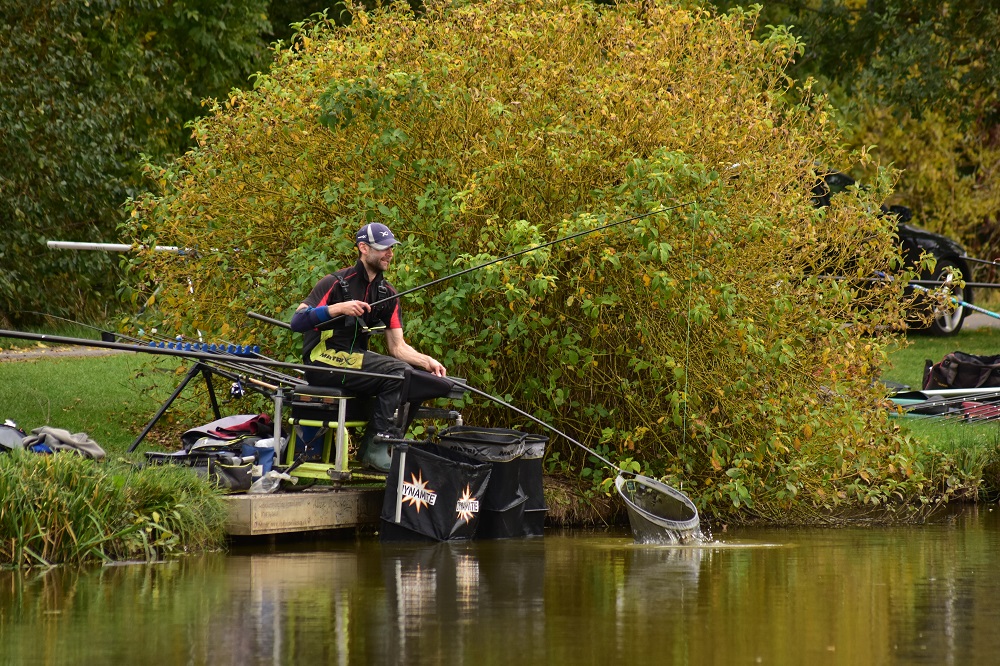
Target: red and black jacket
point(347, 333)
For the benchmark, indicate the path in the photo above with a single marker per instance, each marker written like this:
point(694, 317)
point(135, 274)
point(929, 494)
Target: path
point(31, 353)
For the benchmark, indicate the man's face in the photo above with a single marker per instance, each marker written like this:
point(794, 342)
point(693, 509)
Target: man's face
point(375, 260)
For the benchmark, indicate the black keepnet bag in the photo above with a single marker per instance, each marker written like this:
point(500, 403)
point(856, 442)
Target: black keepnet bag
point(959, 370)
point(432, 494)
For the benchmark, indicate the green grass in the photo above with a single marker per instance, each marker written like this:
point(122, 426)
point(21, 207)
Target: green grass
point(108, 397)
point(951, 435)
point(66, 509)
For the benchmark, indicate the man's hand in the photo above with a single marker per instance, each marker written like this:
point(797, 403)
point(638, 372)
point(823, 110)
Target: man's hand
point(435, 367)
point(349, 309)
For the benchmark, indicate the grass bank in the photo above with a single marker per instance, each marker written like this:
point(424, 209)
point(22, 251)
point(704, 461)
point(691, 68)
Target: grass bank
point(65, 509)
point(976, 446)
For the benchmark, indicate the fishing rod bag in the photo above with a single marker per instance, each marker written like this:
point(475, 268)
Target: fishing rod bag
point(959, 370)
point(432, 494)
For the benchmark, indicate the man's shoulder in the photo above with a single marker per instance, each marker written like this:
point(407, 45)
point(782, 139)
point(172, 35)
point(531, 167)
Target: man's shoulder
point(343, 275)
point(346, 273)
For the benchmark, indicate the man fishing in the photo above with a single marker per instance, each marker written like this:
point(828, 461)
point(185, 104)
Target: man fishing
point(336, 320)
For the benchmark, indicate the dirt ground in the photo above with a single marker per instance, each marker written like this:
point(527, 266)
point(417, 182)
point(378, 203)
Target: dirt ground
point(52, 352)
point(977, 320)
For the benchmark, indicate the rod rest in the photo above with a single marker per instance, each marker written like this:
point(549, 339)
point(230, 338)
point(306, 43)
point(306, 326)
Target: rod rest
point(232, 350)
point(459, 389)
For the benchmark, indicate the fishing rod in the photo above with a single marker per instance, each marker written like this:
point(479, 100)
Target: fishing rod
point(186, 354)
point(919, 286)
point(328, 323)
point(912, 283)
point(969, 411)
point(230, 363)
point(114, 247)
point(578, 234)
point(269, 320)
point(946, 401)
point(164, 351)
point(980, 261)
point(964, 304)
point(973, 406)
point(530, 249)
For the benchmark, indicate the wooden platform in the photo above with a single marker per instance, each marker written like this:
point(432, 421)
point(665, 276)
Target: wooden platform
point(315, 509)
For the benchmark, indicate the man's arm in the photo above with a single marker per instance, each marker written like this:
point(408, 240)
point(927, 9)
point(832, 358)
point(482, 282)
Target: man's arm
point(399, 348)
point(306, 317)
point(316, 308)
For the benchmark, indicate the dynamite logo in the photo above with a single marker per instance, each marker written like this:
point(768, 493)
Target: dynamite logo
point(416, 492)
point(467, 505)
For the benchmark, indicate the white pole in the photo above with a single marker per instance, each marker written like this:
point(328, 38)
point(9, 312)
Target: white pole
point(108, 247)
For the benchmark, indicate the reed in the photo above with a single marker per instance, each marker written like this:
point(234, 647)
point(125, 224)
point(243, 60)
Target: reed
point(64, 509)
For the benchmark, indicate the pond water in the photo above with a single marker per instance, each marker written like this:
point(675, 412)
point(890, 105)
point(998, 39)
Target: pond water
point(916, 595)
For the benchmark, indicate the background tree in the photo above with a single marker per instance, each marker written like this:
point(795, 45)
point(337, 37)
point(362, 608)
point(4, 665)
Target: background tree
point(85, 88)
point(920, 80)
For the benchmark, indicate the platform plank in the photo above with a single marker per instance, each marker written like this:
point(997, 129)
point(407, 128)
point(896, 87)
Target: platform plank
point(304, 511)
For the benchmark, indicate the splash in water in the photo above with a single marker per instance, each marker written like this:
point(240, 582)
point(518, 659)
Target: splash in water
point(658, 513)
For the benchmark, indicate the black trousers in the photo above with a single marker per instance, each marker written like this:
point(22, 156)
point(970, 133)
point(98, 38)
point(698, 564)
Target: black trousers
point(412, 388)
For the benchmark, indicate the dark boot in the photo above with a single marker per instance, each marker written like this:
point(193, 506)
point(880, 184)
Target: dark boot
point(374, 452)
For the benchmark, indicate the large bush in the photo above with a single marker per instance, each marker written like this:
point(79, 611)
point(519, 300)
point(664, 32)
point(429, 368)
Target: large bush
point(710, 343)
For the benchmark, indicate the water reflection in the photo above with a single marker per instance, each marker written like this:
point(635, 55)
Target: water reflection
point(857, 596)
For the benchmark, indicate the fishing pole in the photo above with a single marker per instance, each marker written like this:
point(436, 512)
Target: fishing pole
point(980, 261)
point(970, 411)
point(530, 249)
point(971, 405)
point(578, 234)
point(964, 304)
point(231, 360)
point(328, 323)
point(207, 356)
point(202, 356)
point(912, 283)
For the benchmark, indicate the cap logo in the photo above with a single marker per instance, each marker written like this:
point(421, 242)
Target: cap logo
point(378, 236)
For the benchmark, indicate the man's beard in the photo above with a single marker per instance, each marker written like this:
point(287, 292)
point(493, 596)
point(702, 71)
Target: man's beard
point(372, 264)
